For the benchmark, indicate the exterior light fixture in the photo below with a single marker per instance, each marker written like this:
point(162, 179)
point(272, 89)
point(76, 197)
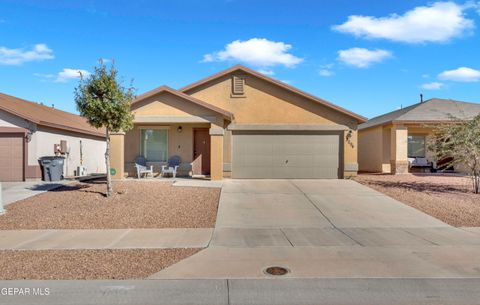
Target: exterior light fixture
point(28, 136)
point(179, 129)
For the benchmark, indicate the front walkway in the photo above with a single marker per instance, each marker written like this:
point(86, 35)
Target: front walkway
point(14, 191)
point(326, 228)
point(104, 239)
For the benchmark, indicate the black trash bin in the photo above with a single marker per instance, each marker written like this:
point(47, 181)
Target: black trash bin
point(52, 168)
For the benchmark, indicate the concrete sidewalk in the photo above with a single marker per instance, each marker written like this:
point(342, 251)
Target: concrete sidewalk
point(104, 239)
point(244, 292)
point(14, 191)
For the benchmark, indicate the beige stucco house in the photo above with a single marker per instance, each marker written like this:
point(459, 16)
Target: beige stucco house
point(240, 123)
point(30, 130)
point(388, 143)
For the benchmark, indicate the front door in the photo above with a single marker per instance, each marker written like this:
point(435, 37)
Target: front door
point(201, 152)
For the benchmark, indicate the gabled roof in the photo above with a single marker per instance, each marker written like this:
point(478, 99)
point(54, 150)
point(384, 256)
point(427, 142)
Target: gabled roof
point(226, 114)
point(47, 116)
point(278, 83)
point(432, 110)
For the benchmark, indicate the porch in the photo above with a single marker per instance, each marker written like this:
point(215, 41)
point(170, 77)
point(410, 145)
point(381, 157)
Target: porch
point(405, 146)
point(169, 123)
point(199, 146)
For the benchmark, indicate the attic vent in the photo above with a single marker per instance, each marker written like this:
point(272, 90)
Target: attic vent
point(238, 84)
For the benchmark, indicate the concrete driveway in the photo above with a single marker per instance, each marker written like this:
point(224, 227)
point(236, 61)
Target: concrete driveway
point(326, 228)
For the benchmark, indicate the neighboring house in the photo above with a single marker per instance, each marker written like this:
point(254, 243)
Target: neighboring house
point(29, 131)
point(242, 124)
point(388, 142)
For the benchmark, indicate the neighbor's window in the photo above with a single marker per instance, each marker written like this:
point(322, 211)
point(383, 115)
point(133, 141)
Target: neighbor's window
point(416, 146)
point(154, 144)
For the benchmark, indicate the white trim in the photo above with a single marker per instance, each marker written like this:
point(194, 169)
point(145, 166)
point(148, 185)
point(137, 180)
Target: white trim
point(286, 127)
point(174, 119)
point(154, 127)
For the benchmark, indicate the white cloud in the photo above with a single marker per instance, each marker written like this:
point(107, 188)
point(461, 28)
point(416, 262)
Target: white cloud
point(432, 86)
point(438, 22)
point(325, 72)
point(63, 76)
point(66, 74)
point(259, 52)
point(362, 58)
point(39, 52)
point(266, 72)
point(462, 74)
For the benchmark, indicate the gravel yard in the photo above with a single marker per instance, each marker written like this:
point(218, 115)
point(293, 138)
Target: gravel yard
point(87, 264)
point(136, 204)
point(448, 198)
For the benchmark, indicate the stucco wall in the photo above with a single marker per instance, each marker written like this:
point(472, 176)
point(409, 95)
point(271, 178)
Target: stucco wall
point(370, 153)
point(265, 103)
point(179, 143)
point(44, 139)
point(42, 142)
point(166, 104)
point(386, 166)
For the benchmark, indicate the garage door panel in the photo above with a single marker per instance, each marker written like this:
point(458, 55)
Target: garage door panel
point(293, 160)
point(11, 157)
point(261, 160)
point(286, 155)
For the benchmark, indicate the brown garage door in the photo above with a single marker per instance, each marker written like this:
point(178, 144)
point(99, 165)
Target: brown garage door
point(11, 157)
point(286, 155)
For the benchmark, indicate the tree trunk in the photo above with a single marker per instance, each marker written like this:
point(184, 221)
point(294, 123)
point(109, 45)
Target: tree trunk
point(107, 163)
point(476, 183)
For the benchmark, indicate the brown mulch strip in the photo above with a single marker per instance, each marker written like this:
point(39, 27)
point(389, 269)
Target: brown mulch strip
point(448, 198)
point(136, 204)
point(87, 264)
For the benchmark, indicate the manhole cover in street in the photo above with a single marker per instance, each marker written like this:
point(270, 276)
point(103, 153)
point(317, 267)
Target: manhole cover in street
point(276, 270)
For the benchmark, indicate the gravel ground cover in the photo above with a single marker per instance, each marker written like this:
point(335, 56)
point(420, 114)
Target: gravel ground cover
point(136, 204)
point(87, 264)
point(445, 197)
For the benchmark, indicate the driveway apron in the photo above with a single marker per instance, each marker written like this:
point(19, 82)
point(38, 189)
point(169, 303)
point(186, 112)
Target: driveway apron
point(326, 228)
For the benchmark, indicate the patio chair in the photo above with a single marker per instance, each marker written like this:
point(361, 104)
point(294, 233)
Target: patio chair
point(172, 166)
point(141, 166)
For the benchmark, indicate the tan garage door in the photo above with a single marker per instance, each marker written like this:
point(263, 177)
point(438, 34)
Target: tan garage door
point(285, 155)
point(11, 157)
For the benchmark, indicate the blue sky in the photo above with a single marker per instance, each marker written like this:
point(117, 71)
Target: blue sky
point(367, 56)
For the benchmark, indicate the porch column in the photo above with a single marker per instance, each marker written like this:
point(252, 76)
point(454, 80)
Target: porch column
point(216, 152)
point(117, 152)
point(399, 149)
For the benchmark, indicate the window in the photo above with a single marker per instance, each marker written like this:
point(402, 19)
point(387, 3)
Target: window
point(416, 146)
point(153, 144)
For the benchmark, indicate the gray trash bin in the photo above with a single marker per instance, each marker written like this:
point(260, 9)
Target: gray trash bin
point(52, 168)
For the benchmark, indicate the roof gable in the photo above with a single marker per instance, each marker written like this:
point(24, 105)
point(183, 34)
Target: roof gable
point(432, 110)
point(275, 82)
point(226, 114)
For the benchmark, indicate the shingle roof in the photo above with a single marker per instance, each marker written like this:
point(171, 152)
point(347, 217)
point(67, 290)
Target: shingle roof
point(432, 110)
point(47, 116)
